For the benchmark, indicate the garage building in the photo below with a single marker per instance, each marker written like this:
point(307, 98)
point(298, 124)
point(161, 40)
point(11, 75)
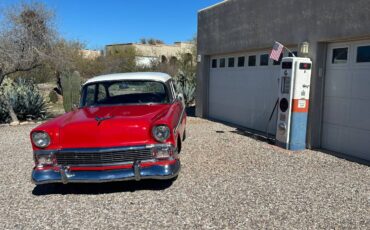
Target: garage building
point(237, 83)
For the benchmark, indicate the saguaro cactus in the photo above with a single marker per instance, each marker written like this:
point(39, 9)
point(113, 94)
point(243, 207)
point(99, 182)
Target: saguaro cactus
point(71, 90)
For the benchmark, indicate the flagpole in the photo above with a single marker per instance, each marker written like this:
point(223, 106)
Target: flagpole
point(289, 51)
point(286, 49)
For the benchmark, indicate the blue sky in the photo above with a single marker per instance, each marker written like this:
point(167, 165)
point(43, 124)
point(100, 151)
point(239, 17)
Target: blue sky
point(101, 22)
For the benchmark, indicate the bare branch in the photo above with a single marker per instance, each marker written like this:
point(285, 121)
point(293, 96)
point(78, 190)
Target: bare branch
point(21, 70)
point(26, 38)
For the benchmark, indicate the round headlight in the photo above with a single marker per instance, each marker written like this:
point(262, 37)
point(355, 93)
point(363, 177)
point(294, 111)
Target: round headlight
point(41, 139)
point(161, 133)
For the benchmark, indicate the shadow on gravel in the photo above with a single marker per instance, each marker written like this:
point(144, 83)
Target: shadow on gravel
point(251, 133)
point(345, 157)
point(103, 188)
point(257, 136)
point(271, 141)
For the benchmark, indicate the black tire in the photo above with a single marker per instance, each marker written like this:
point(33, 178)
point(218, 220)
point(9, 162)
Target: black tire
point(179, 143)
point(174, 178)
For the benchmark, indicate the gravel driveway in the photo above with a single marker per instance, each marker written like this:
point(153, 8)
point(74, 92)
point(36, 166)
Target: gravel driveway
point(227, 181)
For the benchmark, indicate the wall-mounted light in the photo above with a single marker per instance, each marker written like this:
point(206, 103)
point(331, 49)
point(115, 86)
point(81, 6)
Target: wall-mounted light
point(304, 49)
point(199, 58)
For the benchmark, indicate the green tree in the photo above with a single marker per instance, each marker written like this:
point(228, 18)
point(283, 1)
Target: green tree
point(120, 59)
point(143, 41)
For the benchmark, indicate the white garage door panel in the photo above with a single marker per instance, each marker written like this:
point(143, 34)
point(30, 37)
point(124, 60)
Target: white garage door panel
point(361, 84)
point(347, 140)
point(333, 137)
point(359, 143)
point(338, 86)
point(337, 110)
point(346, 118)
point(360, 115)
point(244, 95)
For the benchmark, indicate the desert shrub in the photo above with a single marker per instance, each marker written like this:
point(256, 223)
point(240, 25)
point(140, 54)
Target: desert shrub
point(53, 97)
point(25, 98)
point(187, 88)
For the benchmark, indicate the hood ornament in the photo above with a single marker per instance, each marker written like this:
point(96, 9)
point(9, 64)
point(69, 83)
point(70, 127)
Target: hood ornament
point(101, 119)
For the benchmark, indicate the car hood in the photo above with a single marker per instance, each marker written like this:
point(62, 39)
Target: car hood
point(109, 126)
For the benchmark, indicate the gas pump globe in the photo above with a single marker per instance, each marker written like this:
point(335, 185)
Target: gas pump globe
point(294, 91)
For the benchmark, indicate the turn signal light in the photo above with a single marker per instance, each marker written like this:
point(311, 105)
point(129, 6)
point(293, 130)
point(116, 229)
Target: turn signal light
point(43, 160)
point(163, 151)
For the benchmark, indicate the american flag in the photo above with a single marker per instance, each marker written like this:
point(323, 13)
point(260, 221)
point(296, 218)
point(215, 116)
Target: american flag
point(276, 51)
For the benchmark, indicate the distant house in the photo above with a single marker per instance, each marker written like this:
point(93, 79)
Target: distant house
point(147, 54)
point(90, 54)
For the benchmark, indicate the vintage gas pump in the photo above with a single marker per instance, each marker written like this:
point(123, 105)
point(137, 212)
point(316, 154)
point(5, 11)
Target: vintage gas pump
point(294, 91)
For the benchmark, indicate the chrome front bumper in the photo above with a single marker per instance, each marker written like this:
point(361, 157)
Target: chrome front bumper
point(65, 175)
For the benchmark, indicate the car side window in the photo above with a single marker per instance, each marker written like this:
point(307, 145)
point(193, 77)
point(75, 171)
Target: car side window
point(90, 95)
point(102, 93)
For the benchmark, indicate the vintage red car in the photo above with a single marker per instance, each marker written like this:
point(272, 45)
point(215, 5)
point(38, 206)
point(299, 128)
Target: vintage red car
point(128, 126)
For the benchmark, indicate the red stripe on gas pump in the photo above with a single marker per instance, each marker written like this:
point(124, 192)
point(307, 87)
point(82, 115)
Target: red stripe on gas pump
point(300, 106)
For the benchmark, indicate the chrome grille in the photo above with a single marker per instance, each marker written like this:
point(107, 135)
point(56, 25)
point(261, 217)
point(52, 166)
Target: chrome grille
point(100, 157)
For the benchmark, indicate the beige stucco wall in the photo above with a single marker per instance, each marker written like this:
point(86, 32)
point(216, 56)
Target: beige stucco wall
point(90, 54)
point(147, 50)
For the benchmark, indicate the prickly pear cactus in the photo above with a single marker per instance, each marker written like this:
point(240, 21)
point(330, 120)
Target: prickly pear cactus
point(71, 84)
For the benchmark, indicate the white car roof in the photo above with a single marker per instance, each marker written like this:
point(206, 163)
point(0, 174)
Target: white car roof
point(153, 76)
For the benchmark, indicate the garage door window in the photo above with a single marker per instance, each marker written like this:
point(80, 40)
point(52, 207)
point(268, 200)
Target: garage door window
point(363, 54)
point(231, 62)
point(252, 60)
point(340, 56)
point(241, 61)
point(264, 61)
point(222, 63)
point(214, 63)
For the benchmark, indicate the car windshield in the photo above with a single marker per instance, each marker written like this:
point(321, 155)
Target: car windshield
point(124, 92)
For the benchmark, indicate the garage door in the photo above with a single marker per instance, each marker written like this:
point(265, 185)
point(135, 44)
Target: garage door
point(346, 118)
point(243, 89)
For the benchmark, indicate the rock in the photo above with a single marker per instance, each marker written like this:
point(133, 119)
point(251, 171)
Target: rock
point(24, 123)
point(14, 123)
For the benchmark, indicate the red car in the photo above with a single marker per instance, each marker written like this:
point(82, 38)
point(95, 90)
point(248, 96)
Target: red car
point(128, 126)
